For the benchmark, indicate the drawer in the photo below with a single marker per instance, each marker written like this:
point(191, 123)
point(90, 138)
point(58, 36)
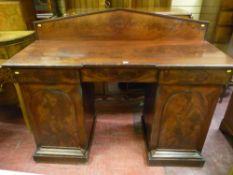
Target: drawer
point(219, 77)
point(122, 75)
point(225, 18)
point(48, 76)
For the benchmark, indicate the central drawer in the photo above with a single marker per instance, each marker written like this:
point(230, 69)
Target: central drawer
point(118, 75)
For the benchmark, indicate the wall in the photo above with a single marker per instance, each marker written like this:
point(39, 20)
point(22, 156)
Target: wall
point(193, 6)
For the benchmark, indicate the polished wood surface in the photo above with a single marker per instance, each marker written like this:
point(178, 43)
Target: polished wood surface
point(121, 24)
point(101, 89)
point(183, 74)
point(120, 53)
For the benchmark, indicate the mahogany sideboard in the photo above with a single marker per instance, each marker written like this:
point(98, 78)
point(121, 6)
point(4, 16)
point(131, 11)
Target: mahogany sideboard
point(184, 77)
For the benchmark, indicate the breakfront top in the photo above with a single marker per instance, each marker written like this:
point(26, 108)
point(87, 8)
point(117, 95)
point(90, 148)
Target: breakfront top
point(120, 37)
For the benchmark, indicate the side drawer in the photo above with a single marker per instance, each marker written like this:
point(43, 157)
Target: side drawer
point(118, 74)
point(195, 76)
point(49, 76)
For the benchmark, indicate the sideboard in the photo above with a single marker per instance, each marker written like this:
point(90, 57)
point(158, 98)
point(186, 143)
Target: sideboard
point(184, 76)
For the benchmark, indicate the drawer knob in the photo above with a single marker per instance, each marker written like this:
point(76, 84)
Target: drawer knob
point(17, 73)
point(202, 25)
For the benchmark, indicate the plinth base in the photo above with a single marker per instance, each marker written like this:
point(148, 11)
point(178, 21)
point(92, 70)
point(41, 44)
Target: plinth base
point(175, 157)
point(60, 155)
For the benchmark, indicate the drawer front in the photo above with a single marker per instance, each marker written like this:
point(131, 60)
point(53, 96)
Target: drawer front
point(49, 76)
point(122, 75)
point(219, 77)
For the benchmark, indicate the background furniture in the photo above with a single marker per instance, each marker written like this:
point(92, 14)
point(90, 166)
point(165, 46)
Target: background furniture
point(70, 4)
point(23, 10)
point(16, 17)
point(220, 15)
point(184, 74)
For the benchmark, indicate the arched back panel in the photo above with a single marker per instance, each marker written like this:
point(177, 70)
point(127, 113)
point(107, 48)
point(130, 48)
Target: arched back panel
point(121, 24)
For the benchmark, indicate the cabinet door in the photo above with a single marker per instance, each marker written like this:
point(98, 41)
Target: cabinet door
point(55, 114)
point(183, 115)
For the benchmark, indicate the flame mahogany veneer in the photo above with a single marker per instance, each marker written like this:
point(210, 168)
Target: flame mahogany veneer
point(184, 77)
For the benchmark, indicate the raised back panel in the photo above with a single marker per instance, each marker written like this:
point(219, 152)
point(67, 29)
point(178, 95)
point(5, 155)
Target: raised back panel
point(121, 24)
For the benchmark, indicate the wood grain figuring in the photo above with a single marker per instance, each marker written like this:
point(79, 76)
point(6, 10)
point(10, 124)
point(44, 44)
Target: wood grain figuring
point(182, 116)
point(194, 76)
point(53, 104)
point(43, 53)
point(49, 76)
point(121, 24)
point(183, 74)
point(122, 75)
point(61, 115)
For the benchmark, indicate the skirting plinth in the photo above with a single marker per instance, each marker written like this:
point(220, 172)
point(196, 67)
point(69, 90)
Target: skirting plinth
point(60, 155)
point(175, 157)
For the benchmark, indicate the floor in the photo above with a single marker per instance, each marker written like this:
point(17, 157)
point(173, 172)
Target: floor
point(118, 147)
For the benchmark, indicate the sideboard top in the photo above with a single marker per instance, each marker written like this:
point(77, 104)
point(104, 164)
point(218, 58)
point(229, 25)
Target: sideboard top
point(121, 24)
point(44, 53)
